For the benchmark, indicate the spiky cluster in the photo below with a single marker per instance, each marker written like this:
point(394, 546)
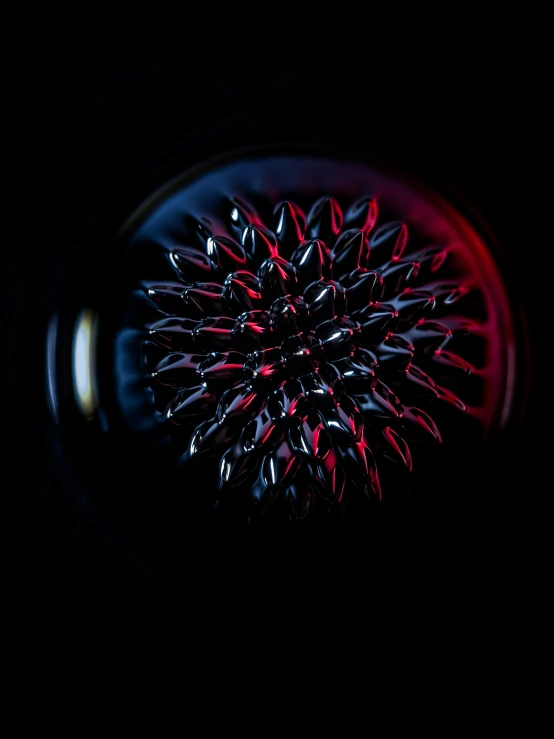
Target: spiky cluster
point(289, 344)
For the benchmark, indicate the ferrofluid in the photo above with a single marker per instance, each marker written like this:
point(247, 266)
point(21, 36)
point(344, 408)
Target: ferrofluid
point(280, 337)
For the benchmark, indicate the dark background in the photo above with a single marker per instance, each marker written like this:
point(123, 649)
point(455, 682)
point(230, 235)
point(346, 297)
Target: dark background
point(96, 123)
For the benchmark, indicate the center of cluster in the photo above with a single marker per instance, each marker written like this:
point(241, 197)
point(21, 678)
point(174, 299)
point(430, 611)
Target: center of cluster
point(299, 336)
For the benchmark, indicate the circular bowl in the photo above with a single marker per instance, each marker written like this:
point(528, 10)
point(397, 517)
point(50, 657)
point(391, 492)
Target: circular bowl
point(283, 338)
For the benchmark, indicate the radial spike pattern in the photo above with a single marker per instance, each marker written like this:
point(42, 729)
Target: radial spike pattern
point(302, 353)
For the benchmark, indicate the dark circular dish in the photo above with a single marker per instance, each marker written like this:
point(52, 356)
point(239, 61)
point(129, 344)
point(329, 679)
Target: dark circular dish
point(281, 337)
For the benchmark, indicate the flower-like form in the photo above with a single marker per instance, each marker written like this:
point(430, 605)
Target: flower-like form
point(297, 354)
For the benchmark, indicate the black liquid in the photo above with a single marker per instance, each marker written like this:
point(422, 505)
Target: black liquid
point(285, 339)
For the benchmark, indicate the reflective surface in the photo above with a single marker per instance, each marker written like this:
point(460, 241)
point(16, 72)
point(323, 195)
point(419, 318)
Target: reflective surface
point(288, 337)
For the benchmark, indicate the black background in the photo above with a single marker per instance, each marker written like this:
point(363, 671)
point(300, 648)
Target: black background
point(93, 124)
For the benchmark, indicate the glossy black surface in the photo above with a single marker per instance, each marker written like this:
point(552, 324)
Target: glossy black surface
point(108, 132)
point(305, 334)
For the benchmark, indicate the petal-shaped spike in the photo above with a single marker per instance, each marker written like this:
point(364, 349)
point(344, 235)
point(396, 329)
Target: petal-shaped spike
point(290, 226)
point(388, 242)
point(290, 315)
point(344, 422)
point(430, 260)
point(301, 496)
point(360, 464)
point(225, 402)
point(376, 321)
point(350, 414)
point(340, 336)
point(332, 478)
point(191, 263)
point(443, 290)
point(236, 467)
point(151, 355)
point(326, 300)
point(399, 447)
point(191, 403)
point(301, 354)
point(428, 336)
point(316, 349)
point(358, 371)
point(467, 300)
point(242, 291)
point(275, 406)
point(309, 438)
point(178, 370)
point(204, 299)
point(421, 425)
point(448, 293)
point(338, 425)
point(374, 485)
point(454, 295)
point(451, 398)
point(364, 288)
point(291, 398)
point(337, 483)
point(368, 359)
point(325, 220)
point(313, 261)
point(362, 214)
point(412, 305)
point(225, 253)
point(261, 431)
point(450, 359)
point(410, 271)
point(209, 437)
point(201, 229)
point(398, 275)
point(265, 368)
point(241, 215)
point(222, 366)
point(243, 406)
point(196, 438)
point(463, 326)
point(260, 243)
point(416, 375)
point(253, 330)
point(175, 334)
point(387, 399)
point(212, 334)
point(330, 375)
point(280, 465)
point(262, 496)
point(437, 259)
point(278, 277)
point(395, 352)
point(351, 252)
point(168, 296)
